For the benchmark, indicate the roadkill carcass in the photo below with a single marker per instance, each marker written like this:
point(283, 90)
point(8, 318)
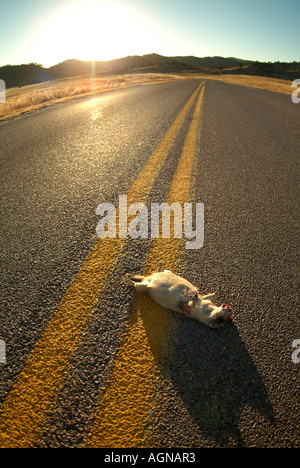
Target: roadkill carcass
point(177, 294)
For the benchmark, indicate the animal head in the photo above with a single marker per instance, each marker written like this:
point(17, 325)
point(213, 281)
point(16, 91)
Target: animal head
point(221, 316)
point(210, 314)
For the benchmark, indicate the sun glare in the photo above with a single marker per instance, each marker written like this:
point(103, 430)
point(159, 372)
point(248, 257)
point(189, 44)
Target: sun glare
point(93, 30)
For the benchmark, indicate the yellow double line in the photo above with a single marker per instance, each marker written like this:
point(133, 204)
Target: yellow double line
point(125, 405)
point(22, 413)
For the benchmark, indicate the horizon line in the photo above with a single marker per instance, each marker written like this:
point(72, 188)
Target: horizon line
point(144, 55)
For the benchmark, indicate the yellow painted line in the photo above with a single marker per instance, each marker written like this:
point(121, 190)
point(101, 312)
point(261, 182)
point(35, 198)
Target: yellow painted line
point(33, 392)
point(124, 408)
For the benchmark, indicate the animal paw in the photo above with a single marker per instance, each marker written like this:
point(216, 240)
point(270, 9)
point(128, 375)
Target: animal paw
point(128, 281)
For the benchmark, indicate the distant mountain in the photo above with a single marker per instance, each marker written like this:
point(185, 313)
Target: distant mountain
point(211, 62)
point(70, 68)
point(21, 75)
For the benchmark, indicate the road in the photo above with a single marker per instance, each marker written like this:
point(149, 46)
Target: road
point(89, 363)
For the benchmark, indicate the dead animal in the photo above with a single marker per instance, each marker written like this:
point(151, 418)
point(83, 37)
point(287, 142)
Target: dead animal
point(177, 294)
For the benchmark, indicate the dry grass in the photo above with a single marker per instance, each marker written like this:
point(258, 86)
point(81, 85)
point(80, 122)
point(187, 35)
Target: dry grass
point(261, 82)
point(28, 99)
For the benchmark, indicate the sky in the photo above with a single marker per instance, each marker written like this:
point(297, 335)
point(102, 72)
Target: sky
point(51, 31)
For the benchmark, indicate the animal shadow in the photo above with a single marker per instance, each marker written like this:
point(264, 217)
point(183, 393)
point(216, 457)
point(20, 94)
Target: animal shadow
point(215, 377)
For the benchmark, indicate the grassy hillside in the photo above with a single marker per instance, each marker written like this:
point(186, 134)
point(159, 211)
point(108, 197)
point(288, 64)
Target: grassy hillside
point(32, 87)
point(31, 98)
point(26, 74)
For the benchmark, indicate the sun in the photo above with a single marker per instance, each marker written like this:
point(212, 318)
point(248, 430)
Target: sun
point(93, 30)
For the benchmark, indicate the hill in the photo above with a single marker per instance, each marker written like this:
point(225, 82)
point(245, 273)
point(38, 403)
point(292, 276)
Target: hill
point(21, 75)
point(211, 62)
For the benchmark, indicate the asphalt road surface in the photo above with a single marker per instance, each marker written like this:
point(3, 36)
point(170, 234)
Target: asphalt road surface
point(88, 362)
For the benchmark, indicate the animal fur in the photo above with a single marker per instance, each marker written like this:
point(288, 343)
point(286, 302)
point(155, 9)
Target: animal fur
point(177, 294)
